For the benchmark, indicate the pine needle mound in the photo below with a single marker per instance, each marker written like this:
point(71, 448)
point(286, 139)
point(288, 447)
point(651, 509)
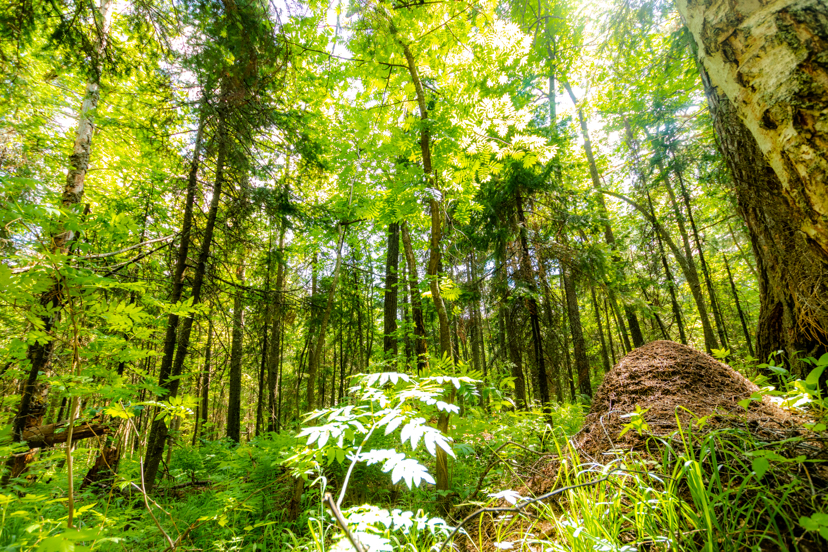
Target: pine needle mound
point(663, 377)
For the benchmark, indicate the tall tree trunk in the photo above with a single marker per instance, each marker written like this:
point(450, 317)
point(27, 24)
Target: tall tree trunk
point(609, 331)
point(159, 431)
point(389, 319)
point(604, 355)
point(671, 288)
point(433, 260)
point(708, 281)
point(527, 275)
point(550, 321)
point(203, 409)
point(769, 59)
point(565, 326)
point(236, 351)
point(579, 346)
point(38, 354)
point(792, 314)
point(632, 318)
point(420, 338)
point(319, 347)
point(274, 359)
point(738, 305)
point(690, 275)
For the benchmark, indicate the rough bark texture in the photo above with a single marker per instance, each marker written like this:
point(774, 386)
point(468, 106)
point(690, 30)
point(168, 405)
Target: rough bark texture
point(793, 291)
point(770, 59)
point(103, 471)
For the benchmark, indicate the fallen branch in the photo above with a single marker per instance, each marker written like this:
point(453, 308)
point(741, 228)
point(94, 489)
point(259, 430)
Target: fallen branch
point(48, 435)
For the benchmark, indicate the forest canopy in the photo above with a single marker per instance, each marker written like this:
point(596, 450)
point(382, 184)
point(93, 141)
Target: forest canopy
point(254, 254)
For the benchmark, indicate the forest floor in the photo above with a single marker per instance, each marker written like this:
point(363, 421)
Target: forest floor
point(677, 452)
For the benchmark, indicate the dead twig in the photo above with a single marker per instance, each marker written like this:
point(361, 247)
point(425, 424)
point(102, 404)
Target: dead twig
point(337, 514)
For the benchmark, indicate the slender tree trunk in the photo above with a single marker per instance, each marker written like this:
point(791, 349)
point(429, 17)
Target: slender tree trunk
point(420, 338)
point(632, 319)
point(738, 305)
point(609, 331)
point(671, 287)
point(604, 355)
point(389, 320)
point(711, 290)
point(565, 345)
point(579, 346)
point(531, 303)
point(274, 359)
point(319, 347)
point(690, 275)
point(205, 380)
point(550, 320)
point(433, 261)
point(159, 431)
point(236, 351)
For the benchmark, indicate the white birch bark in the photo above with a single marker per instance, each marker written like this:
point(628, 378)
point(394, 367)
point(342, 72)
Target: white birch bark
point(79, 160)
point(770, 58)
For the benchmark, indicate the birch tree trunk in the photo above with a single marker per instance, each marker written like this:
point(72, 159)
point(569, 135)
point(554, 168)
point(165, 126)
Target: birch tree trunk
point(793, 313)
point(39, 353)
point(770, 59)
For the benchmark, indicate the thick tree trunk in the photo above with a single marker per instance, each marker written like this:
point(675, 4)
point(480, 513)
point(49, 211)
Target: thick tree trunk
point(236, 352)
point(389, 319)
point(770, 59)
point(793, 314)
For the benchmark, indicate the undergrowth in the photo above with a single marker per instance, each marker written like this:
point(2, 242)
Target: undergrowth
point(699, 489)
